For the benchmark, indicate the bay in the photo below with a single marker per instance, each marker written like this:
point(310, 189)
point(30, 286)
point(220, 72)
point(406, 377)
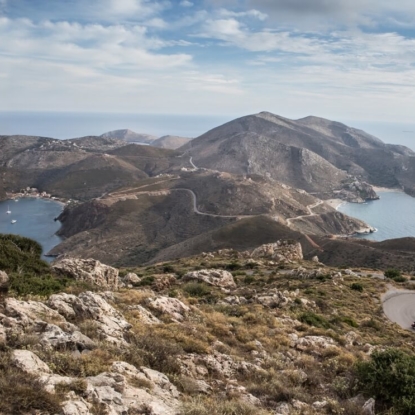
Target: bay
point(34, 219)
point(393, 215)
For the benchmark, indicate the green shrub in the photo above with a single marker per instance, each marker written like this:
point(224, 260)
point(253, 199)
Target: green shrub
point(392, 273)
point(249, 279)
point(389, 377)
point(315, 320)
point(196, 289)
point(148, 280)
point(47, 284)
point(357, 287)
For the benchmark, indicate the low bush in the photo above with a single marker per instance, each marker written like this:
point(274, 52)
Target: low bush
point(215, 406)
point(22, 393)
point(315, 320)
point(196, 289)
point(392, 273)
point(356, 286)
point(389, 378)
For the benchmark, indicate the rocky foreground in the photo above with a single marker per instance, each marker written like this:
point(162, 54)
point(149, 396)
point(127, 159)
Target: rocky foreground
point(259, 332)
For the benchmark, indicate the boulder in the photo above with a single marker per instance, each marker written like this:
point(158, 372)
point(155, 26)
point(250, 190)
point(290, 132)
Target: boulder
point(302, 272)
point(369, 407)
point(171, 306)
point(54, 336)
point(90, 271)
point(216, 277)
point(75, 406)
point(131, 279)
point(29, 362)
point(281, 251)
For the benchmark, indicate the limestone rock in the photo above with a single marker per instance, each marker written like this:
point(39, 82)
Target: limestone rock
point(88, 305)
point(171, 306)
point(29, 362)
point(144, 315)
point(131, 279)
point(273, 299)
point(125, 387)
point(4, 281)
point(75, 406)
point(54, 336)
point(216, 277)
point(369, 407)
point(28, 311)
point(89, 270)
point(301, 272)
point(281, 251)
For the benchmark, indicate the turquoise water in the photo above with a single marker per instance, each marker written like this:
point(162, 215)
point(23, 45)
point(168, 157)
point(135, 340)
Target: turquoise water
point(34, 219)
point(393, 215)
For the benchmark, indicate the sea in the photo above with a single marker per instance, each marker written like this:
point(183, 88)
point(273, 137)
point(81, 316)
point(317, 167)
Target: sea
point(393, 215)
point(34, 219)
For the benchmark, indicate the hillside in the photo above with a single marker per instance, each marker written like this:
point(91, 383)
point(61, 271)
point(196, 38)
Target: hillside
point(260, 332)
point(170, 141)
point(314, 154)
point(129, 136)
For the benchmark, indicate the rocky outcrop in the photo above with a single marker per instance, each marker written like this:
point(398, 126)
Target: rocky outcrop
point(90, 271)
point(110, 324)
point(357, 192)
point(281, 251)
point(216, 277)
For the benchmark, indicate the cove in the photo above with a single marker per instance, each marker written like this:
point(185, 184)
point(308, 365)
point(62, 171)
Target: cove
point(393, 215)
point(34, 219)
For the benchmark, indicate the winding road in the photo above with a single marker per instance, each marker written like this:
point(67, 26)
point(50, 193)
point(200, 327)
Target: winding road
point(310, 212)
point(399, 307)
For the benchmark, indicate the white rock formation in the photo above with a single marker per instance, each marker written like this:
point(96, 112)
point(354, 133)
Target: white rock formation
point(89, 270)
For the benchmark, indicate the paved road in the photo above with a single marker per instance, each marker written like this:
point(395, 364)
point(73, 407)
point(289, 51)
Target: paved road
point(399, 307)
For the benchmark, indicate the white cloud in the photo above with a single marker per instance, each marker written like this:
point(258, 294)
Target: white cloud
point(249, 13)
point(186, 3)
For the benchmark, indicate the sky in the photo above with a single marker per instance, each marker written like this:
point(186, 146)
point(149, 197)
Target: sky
point(339, 59)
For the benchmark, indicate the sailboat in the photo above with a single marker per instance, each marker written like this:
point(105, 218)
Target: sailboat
point(8, 210)
point(14, 220)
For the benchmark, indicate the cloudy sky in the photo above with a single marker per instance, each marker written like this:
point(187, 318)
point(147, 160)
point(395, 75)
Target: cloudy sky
point(340, 59)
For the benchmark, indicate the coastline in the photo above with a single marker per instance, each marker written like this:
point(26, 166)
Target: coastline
point(334, 203)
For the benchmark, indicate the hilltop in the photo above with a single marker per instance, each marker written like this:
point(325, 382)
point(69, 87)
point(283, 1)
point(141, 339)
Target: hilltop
point(312, 153)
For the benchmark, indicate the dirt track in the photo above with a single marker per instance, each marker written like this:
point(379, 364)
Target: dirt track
point(399, 307)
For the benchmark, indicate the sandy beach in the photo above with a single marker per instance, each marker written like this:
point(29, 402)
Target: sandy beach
point(386, 189)
point(334, 203)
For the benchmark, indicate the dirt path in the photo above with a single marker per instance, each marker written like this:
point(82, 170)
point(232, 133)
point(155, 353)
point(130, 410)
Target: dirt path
point(310, 212)
point(399, 307)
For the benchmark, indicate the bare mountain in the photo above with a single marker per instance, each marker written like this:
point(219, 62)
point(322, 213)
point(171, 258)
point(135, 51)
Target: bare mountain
point(312, 153)
point(130, 136)
point(170, 141)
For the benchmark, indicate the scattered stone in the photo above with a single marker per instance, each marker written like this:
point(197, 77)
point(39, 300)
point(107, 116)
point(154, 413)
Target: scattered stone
point(273, 299)
point(90, 271)
point(216, 277)
point(315, 259)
